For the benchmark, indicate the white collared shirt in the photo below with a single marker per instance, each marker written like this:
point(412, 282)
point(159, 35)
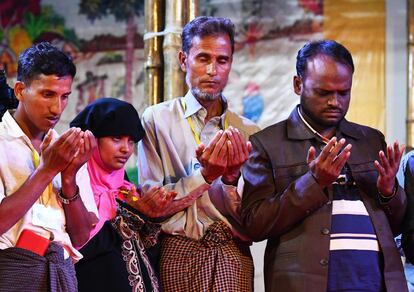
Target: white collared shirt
point(16, 165)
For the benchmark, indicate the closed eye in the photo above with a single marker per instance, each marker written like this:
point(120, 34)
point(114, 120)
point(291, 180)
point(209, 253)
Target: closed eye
point(48, 94)
point(322, 92)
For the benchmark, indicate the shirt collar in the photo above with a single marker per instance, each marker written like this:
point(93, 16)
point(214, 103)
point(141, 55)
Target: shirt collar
point(13, 129)
point(192, 106)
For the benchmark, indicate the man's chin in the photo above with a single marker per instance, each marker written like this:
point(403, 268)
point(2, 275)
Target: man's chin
point(207, 96)
point(48, 127)
point(332, 122)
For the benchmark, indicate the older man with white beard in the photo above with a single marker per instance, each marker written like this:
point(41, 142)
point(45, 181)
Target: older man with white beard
point(196, 146)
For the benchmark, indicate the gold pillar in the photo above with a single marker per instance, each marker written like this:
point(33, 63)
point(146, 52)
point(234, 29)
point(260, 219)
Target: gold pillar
point(192, 9)
point(154, 22)
point(173, 76)
point(165, 58)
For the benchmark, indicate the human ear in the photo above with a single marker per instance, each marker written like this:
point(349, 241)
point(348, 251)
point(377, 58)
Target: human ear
point(182, 57)
point(19, 86)
point(297, 85)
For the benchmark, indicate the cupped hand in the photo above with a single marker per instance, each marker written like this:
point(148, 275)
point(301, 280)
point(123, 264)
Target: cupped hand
point(328, 165)
point(213, 158)
point(57, 155)
point(238, 151)
point(158, 202)
point(387, 168)
point(82, 155)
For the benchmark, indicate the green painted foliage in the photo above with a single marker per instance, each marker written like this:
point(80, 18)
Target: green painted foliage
point(47, 20)
point(35, 24)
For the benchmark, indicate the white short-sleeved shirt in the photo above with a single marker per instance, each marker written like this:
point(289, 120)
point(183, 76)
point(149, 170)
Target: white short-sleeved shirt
point(16, 165)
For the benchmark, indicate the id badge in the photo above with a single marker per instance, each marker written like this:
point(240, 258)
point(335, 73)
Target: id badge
point(195, 164)
point(47, 217)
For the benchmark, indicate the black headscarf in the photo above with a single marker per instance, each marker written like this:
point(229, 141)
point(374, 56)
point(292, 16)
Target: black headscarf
point(110, 117)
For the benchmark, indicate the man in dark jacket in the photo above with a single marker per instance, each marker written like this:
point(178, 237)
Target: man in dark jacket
point(323, 190)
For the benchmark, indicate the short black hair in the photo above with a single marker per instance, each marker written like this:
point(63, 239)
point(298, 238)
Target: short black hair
point(329, 48)
point(43, 58)
point(203, 26)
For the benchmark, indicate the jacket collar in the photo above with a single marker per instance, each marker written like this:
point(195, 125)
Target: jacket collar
point(297, 130)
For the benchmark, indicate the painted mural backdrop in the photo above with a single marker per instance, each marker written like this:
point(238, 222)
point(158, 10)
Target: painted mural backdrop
point(105, 39)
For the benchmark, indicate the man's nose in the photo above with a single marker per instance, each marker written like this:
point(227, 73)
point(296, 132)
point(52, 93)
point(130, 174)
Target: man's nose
point(333, 99)
point(56, 107)
point(211, 68)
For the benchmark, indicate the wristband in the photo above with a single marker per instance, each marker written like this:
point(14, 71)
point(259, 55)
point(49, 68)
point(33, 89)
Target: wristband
point(394, 191)
point(65, 200)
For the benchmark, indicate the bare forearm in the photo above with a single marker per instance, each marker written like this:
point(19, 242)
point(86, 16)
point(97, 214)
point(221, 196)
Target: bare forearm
point(16, 205)
point(78, 220)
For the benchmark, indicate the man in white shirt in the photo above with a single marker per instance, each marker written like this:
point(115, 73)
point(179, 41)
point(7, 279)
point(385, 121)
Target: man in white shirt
point(43, 189)
point(196, 146)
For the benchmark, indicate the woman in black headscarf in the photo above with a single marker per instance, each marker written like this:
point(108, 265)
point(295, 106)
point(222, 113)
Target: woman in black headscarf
point(116, 256)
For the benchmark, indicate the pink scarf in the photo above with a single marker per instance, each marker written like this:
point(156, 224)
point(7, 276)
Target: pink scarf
point(105, 185)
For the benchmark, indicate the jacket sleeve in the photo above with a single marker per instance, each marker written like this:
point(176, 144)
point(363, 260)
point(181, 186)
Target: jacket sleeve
point(394, 208)
point(407, 239)
point(266, 212)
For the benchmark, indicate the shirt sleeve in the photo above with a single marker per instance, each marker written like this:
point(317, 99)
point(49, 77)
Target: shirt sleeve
point(228, 197)
point(151, 167)
point(85, 189)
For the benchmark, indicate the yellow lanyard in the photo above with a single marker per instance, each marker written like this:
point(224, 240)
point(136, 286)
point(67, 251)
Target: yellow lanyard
point(190, 123)
point(45, 197)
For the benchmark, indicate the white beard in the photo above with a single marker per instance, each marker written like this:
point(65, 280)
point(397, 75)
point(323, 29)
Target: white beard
point(205, 96)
